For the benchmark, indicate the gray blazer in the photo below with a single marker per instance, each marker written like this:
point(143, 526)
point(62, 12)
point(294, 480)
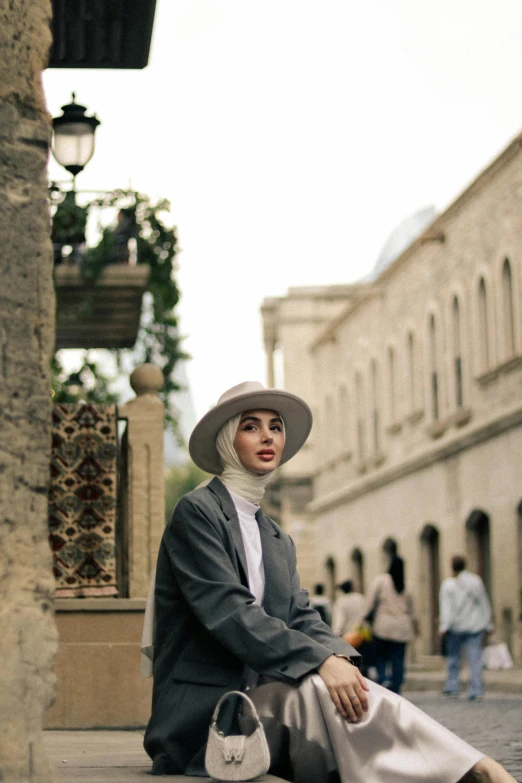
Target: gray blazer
point(208, 629)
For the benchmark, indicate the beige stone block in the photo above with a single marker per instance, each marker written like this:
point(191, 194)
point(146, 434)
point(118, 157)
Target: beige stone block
point(98, 674)
point(109, 627)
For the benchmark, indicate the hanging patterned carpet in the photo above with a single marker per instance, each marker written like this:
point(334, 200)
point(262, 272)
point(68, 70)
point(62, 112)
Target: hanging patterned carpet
point(82, 499)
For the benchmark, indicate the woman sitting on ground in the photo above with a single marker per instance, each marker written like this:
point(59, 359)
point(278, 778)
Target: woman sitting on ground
point(230, 614)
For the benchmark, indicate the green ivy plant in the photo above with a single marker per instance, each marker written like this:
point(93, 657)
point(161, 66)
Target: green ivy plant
point(69, 221)
point(88, 384)
point(158, 338)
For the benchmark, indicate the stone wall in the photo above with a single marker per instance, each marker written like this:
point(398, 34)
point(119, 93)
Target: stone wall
point(28, 638)
point(390, 461)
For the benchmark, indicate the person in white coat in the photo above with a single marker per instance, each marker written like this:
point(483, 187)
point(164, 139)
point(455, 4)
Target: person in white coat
point(347, 609)
point(465, 615)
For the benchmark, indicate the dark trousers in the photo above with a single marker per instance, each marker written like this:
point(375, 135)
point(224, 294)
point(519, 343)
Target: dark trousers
point(387, 651)
point(367, 650)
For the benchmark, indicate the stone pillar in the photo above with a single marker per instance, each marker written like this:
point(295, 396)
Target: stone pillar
point(270, 372)
point(270, 316)
point(145, 513)
point(28, 638)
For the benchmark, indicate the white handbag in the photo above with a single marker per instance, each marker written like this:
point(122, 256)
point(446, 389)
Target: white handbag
point(238, 756)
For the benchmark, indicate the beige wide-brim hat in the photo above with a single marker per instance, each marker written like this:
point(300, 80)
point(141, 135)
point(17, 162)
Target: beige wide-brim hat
point(249, 396)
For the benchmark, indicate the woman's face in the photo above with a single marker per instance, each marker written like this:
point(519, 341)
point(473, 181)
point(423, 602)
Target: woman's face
point(259, 441)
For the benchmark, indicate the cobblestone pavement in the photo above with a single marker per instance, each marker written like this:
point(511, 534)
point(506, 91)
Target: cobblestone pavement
point(493, 726)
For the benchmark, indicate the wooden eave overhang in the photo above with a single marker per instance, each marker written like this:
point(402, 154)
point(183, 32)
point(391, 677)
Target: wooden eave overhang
point(101, 33)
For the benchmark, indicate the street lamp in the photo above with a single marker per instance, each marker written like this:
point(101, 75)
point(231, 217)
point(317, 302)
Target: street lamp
point(73, 137)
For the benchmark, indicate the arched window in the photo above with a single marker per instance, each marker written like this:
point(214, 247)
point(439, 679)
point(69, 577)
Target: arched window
point(361, 424)
point(519, 514)
point(329, 423)
point(478, 545)
point(375, 407)
point(343, 418)
point(358, 570)
point(434, 375)
point(457, 353)
point(390, 547)
point(392, 384)
point(430, 583)
point(410, 370)
point(331, 576)
point(508, 310)
point(318, 428)
point(483, 331)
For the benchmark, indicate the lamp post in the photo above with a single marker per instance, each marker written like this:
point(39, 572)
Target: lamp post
point(73, 147)
point(73, 137)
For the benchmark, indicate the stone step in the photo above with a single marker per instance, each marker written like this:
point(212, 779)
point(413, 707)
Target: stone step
point(428, 663)
point(107, 757)
point(505, 681)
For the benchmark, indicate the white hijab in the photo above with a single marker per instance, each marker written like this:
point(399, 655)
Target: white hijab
point(235, 477)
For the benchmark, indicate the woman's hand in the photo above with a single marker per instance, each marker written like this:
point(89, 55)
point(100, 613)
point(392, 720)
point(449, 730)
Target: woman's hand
point(346, 686)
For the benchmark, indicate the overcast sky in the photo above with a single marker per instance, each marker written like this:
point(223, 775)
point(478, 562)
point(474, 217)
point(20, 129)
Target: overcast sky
point(292, 137)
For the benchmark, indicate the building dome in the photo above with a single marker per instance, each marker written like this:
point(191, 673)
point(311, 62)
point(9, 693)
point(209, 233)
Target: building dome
point(402, 237)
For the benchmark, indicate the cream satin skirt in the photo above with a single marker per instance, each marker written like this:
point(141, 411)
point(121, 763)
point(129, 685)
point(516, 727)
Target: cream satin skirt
point(394, 743)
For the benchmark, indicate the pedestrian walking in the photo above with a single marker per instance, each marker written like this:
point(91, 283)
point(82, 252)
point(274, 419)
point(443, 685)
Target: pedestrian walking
point(394, 623)
point(347, 609)
point(230, 614)
point(347, 612)
point(321, 603)
point(465, 615)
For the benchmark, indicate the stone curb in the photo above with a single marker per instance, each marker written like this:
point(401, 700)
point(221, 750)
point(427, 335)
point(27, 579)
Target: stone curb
point(506, 681)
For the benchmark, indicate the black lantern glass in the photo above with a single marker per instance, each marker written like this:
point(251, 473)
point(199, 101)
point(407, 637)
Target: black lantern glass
point(73, 137)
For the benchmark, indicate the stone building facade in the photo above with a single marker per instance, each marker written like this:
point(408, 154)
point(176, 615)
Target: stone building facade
point(415, 381)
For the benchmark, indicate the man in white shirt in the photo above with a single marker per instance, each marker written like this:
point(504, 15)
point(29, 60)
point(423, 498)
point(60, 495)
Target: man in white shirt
point(322, 604)
point(348, 609)
point(465, 615)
